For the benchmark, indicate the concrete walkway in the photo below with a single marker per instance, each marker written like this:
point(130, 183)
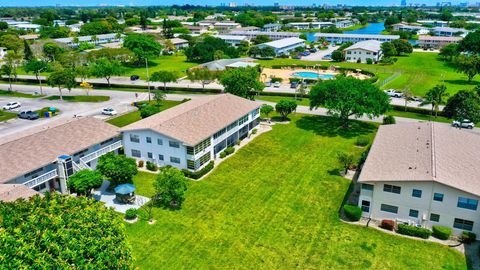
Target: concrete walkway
point(107, 197)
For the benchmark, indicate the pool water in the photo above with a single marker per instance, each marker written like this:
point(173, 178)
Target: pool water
point(312, 75)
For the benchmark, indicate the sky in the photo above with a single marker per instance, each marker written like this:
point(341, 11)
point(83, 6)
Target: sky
point(210, 2)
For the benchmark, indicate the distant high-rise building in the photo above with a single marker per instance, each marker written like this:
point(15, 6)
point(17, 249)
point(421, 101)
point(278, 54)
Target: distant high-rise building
point(403, 3)
point(232, 4)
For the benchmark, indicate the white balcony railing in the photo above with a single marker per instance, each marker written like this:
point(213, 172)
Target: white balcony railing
point(101, 152)
point(41, 179)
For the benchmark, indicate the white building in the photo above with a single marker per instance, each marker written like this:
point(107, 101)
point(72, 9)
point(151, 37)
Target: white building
point(436, 42)
point(423, 174)
point(3, 52)
point(232, 40)
point(191, 134)
point(449, 31)
point(272, 27)
point(342, 38)
point(344, 24)
point(417, 29)
point(43, 160)
point(433, 23)
point(284, 46)
point(179, 43)
point(361, 51)
point(309, 25)
point(272, 35)
point(101, 39)
point(28, 27)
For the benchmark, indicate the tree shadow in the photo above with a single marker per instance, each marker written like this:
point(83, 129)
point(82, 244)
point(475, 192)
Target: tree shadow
point(462, 82)
point(332, 127)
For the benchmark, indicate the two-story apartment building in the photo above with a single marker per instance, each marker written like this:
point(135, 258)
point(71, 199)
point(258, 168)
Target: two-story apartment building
point(342, 38)
point(423, 174)
point(362, 51)
point(284, 46)
point(191, 134)
point(43, 159)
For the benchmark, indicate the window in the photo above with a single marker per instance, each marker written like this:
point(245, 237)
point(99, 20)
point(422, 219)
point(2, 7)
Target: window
point(389, 208)
point(438, 197)
point(413, 213)
point(190, 164)
point(204, 159)
point(174, 144)
point(242, 120)
point(416, 193)
point(175, 160)
point(434, 217)
point(150, 155)
point(190, 150)
point(202, 146)
point(149, 140)
point(159, 142)
point(463, 224)
point(365, 206)
point(232, 125)
point(467, 203)
point(219, 133)
point(136, 153)
point(367, 187)
point(134, 138)
point(391, 188)
point(160, 157)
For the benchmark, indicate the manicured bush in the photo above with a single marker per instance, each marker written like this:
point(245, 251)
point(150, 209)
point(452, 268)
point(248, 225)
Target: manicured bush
point(413, 231)
point(276, 79)
point(229, 150)
point(353, 212)
point(441, 232)
point(468, 237)
point(200, 173)
point(388, 224)
point(223, 155)
point(131, 213)
point(389, 120)
point(140, 163)
point(254, 131)
point(362, 141)
point(151, 166)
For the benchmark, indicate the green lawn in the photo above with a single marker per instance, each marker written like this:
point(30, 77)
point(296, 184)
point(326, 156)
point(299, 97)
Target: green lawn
point(274, 205)
point(128, 118)
point(420, 71)
point(4, 116)
point(174, 63)
point(17, 94)
point(81, 98)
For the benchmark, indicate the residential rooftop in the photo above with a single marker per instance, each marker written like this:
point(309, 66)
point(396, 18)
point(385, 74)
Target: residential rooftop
point(425, 151)
point(38, 149)
point(285, 42)
point(368, 45)
point(422, 37)
point(13, 192)
point(194, 121)
point(369, 36)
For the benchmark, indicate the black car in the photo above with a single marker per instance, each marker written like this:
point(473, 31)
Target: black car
point(293, 84)
point(28, 115)
point(134, 77)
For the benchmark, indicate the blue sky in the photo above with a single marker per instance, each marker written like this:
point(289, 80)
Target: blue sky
point(203, 2)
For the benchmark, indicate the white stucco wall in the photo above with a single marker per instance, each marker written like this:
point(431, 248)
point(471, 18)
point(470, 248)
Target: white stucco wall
point(353, 56)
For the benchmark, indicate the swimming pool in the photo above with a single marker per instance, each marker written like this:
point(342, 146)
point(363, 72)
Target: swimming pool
point(313, 75)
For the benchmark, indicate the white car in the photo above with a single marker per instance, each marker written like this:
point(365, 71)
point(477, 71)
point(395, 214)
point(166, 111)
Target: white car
point(12, 105)
point(394, 93)
point(109, 111)
point(463, 124)
point(276, 85)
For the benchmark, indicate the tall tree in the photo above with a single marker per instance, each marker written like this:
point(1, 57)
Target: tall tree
point(243, 82)
point(27, 51)
point(118, 169)
point(36, 67)
point(170, 187)
point(449, 51)
point(51, 50)
point(201, 74)
point(11, 62)
point(471, 43)
point(407, 96)
point(388, 49)
point(468, 65)
point(465, 104)
point(167, 29)
point(84, 181)
point(435, 97)
point(62, 78)
point(164, 77)
point(105, 68)
point(285, 107)
point(144, 46)
point(402, 46)
point(347, 96)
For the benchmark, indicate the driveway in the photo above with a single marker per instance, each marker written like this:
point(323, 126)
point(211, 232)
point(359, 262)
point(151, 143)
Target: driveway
point(319, 54)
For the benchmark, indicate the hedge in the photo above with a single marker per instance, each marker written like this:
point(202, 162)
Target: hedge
point(131, 213)
point(353, 212)
point(468, 237)
point(415, 110)
point(441, 232)
point(200, 173)
point(413, 231)
point(362, 141)
point(151, 166)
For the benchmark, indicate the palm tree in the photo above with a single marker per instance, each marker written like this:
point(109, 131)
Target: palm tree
point(94, 39)
point(435, 97)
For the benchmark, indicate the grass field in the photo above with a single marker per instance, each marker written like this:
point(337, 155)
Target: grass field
point(128, 118)
point(174, 63)
point(274, 205)
point(81, 98)
point(4, 116)
point(17, 94)
point(420, 71)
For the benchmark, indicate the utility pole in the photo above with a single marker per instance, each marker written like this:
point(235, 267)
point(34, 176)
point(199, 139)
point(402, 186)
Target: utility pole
point(148, 80)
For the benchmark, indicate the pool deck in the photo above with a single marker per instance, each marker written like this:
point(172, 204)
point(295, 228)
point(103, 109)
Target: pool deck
point(286, 73)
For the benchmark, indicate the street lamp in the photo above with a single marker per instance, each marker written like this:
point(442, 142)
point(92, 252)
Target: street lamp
point(40, 80)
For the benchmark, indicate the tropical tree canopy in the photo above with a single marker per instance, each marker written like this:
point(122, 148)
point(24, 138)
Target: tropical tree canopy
point(170, 187)
point(242, 82)
point(118, 169)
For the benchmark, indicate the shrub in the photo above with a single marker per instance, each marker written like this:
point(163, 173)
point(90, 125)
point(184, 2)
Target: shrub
point(229, 150)
point(388, 224)
point(389, 120)
point(353, 212)
point(151, 166)
point(276, 79)
point(413, 231)
point(223, 155)
point(441, 232)
point(131, 213)
point(140, 163)
point(468, 237)
point(254, 131)
point(369, 61)
point(362, 141)
point(149, 110)
point(200, 173)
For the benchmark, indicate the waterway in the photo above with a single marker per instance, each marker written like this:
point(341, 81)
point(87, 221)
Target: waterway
point(371, 28)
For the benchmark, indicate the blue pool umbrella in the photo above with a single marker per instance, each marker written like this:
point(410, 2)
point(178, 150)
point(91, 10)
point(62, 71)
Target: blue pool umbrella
point(124, 189)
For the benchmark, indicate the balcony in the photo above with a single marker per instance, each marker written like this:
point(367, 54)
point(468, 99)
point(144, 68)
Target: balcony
point(101, 152)
point(41, 179)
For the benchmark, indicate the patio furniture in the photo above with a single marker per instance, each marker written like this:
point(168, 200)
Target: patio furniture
point(125, 193)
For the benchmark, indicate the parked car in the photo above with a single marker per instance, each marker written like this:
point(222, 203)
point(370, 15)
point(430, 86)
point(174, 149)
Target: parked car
point(327, 57)
point(313, 50)
point(277, 84)
point(294, 85)
point(12, 105)
point(109, 111)
point(268, 84)
point(465, 123)
point(394, 93)
point(30, 115)
point(417, 99)
point(134, 77)
point(297, 57)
